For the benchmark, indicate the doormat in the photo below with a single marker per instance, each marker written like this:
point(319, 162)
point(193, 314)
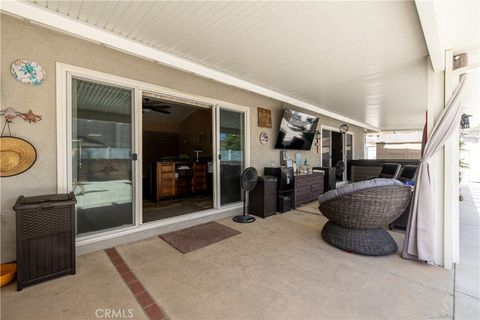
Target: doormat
point(197, 237)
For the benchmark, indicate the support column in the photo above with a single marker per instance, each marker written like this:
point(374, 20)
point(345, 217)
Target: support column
point(436, 103)
point(452, 171)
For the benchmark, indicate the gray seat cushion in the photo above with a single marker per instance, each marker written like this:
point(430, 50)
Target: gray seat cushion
point(358, 186)
point(409, 173)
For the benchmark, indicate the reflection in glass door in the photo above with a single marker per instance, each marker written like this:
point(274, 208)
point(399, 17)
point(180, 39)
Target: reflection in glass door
point(102, 156)
point(349, 146)
point(232, 154)
point(326, 148)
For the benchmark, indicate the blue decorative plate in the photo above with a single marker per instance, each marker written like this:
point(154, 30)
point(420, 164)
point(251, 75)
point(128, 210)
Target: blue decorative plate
point(28, 72)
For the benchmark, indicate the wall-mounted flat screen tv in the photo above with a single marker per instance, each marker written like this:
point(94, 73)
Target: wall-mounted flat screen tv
point(297, 131)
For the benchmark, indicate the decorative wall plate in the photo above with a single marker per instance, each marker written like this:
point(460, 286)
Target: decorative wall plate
point(16, 156)
point(263, 137)
point(28, 72)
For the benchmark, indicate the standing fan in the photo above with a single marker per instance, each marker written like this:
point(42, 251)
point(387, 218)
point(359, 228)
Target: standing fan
point(339, 169)
point(249, 181)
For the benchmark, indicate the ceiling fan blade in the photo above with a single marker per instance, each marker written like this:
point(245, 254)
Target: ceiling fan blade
point(156, 109)
point(154, 102)
point(161, 111)
point(153, 105)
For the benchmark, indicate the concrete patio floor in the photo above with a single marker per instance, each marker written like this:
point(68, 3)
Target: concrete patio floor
point(467, 272)
point(277, 268)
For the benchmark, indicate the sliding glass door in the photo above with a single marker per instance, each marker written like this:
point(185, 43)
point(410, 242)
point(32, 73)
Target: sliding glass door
point(336, 147)
point(231, 139)
point(102, 178)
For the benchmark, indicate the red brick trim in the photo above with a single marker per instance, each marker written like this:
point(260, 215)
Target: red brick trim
point(144, 299)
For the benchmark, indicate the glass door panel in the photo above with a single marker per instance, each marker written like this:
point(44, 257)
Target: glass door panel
point(102, 156)
point(232, 154)
point(349, 146)
point(326, 148)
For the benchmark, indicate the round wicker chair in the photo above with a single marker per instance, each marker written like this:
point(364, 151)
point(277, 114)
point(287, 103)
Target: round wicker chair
point(359, 211)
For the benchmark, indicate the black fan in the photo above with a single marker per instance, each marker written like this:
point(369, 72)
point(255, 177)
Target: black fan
point(340, 168)
point(155, 106)
point(249, 181)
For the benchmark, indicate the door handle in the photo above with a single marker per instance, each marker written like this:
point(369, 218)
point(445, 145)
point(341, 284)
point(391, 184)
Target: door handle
point(134, 156)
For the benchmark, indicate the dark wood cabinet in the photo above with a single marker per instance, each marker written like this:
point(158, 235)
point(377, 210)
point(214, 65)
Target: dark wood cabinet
point(183, 181)
point(199, 177)
point(308, 187)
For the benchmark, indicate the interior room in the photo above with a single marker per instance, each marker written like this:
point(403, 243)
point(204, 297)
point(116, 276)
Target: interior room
point(177, 148)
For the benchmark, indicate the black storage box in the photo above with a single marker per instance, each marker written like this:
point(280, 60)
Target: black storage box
point(45, 238)
point(262, 201)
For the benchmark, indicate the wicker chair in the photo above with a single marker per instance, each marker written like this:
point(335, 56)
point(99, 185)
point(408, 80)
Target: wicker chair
point(359, 211)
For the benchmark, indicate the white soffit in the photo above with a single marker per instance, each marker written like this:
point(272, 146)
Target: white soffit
point(450, 25)
point(459, 25)
point(361, 62)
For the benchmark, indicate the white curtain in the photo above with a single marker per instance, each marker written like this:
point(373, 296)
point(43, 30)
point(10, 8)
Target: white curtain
point(419, 238)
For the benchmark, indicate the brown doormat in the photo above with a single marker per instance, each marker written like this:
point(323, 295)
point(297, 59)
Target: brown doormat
point(196, 237)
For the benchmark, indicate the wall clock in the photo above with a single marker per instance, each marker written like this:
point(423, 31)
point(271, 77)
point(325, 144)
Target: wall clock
point(28, 72)
point(263, 137)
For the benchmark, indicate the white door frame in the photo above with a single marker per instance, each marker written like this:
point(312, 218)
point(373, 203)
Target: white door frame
point(246, 128)
point(64, 74)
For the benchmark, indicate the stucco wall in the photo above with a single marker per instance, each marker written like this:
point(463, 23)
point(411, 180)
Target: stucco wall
point(21, 40)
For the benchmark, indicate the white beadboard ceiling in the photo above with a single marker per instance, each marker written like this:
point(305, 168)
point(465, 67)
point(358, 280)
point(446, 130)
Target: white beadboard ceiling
point(459, 26)
point(91, 96)
point(364, 60)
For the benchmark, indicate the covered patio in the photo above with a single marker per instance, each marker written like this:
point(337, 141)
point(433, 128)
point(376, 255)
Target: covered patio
point(144, 118)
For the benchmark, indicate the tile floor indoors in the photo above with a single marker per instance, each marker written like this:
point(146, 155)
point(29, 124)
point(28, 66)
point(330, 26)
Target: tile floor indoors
point(277, 268)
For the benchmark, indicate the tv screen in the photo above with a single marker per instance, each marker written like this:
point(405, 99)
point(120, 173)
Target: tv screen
point(297, 131)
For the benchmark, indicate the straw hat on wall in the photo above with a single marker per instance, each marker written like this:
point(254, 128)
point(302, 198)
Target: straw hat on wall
point(16, 156)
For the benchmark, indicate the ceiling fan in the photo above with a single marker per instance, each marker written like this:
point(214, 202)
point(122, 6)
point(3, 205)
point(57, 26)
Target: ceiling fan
point(154, 106)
